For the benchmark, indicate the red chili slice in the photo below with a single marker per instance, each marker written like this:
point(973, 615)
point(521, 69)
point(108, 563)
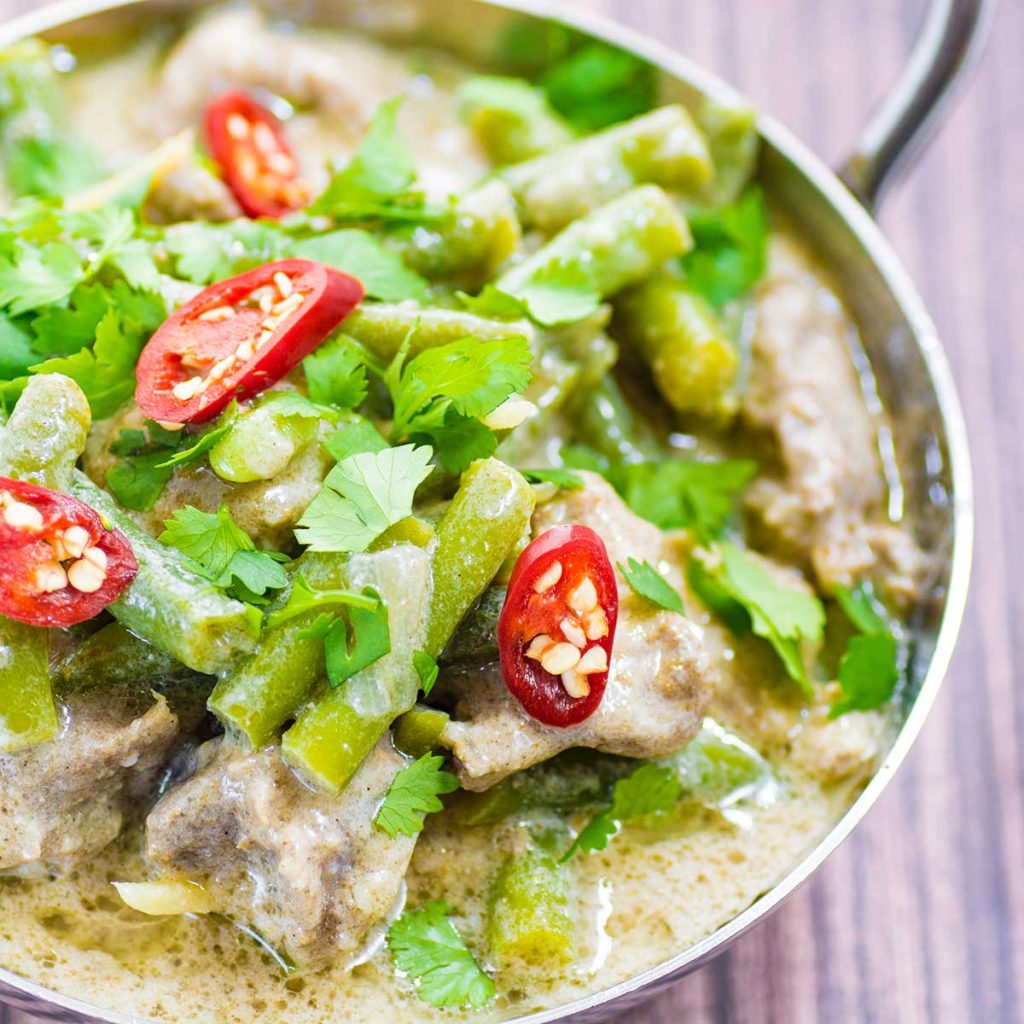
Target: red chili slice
point(248, 143)
point(556, 628)
point(239, 336)
point(59, 565)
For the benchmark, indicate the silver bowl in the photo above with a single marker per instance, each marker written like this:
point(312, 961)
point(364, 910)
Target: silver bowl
point(915, 384)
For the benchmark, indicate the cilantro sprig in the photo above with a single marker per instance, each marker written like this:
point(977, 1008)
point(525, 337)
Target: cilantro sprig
point(413, 795)
point(428, 949)
point(646, 581)
point(869, 668)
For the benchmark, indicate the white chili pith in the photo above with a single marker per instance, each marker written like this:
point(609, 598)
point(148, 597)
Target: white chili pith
point(87, 570)
point(276, 301)
point(571, 659)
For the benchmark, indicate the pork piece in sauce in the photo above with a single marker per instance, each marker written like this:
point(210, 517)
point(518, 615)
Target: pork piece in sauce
point(63, 801)
point(828, 505)
point(310, 871)
point(659, 685)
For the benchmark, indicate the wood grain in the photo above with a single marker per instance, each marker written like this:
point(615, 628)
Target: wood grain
point(919, 917)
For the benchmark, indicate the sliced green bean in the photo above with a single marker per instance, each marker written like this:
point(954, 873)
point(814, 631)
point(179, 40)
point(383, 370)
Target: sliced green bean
point(382, 327)
point(476, 639)
point(664, 147)
point(606, 422)
point(115, 657)
point(27, 712)
point(483, 232)
point(334, 732)
point(511, 119)
point(168, 603)
point(418, 731)
point(256, 697)
point(484, 521)
point(731, 130)
point(46, 432)
point(613, 247)
point(262, 442)
point(532, 908)
point(693, 362)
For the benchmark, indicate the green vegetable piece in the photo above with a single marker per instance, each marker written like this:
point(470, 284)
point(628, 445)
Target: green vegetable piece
point(256, 697)
point(27, 712)
point(869, 668)
point(611, 248)
point(607, 423)
point(261, 443)
point(532, 908)
point(476, 638)
point(428, 949)
point(511, 119)
point(333, 733)
point(419, 730)
point(46, 432)
point(411, 530)
point(382, 328)
point(646, 581)
point(115, 658)
point(693, 362)
point(413, 795)
point(169, 603)
point(731, 130)
point(479, 234)
point(484, 521)
point(663, 148)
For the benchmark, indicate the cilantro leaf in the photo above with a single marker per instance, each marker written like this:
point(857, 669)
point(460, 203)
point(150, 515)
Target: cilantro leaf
point(730, 250)
point(646, 581)
point(362, 496)
point(382, 271)
point(413, 795)
point(651, 789)
point(336, 373)
point(204, 442)
point(428, 949)
point(460, 441)
point(353, 438)
point(376, 181)
point(353, 644)
point(17, 350)
point(780, 614)
point(214, 542)
point(33, 277)
point(493, 302)
point(304, 598)
point(48, 167)
point(63, 330)
point(106, 372)
point(137, 481)
point(869, 668)
point(599, 85)
point(560, 294)
point(427, 669)
point(204, 253)
point(565, 479)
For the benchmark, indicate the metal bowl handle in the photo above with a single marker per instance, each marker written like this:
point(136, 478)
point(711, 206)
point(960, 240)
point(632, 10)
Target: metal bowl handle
point(944, 53)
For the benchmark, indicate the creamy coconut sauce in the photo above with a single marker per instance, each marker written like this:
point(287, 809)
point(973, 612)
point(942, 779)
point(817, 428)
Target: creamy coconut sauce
point(650, 895)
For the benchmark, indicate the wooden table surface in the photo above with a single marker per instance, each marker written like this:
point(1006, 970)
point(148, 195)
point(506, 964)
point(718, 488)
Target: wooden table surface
point(919, 917)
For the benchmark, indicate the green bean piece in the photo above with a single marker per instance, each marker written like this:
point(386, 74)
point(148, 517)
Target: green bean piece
point(664, 147)
point(336, 730)
point(608, 423)
point(114, 657)
point(511, 119)
point(27, 712)
point(476, 639)
point(418, 731)
point(46, 432)
point(693, 362)
point(483, 231)
point(262, 442)
point(532, 908)
point(719, 769)
point(411, 530)
point(168, 603)
point(483, 522)
point(257, 696)
point(731, 130)
point(382, 327)
point(613, 247)
point(571, 781)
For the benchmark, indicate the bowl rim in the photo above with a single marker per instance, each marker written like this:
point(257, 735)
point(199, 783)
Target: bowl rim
point(881, 254)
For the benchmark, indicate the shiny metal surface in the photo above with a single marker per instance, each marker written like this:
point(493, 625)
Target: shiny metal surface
point(913, 375)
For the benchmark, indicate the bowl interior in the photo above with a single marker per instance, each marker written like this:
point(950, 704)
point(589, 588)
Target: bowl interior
point(928, 438)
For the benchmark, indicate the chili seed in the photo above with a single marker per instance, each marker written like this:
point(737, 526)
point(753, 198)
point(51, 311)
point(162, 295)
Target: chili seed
point(86, 576)
point(218, 313)
point(573, 633)
point(560, 658)
point(237, 126)
point(595, 624)
point(50, 577)
point(510, 413)
point(538, 645)
point(583, 598)
point(284, 284)
point(595, 660)
point(23, 516)
point(97, 556)
point(75, 540)
point(548, 578)
point(575, 685)
point(188, 389)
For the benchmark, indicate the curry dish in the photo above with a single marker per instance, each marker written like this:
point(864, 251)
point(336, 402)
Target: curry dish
point(448, 560)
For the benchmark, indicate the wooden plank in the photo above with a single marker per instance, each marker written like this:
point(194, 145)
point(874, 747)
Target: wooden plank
point(920, 916)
